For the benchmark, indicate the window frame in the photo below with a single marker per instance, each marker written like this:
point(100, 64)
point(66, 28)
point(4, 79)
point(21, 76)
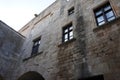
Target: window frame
point(104, 13)
point(35, 47)
point(71, 11)
point(67, 27)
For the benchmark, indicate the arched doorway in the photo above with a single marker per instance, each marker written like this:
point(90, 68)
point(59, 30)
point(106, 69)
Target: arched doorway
point(31, 75)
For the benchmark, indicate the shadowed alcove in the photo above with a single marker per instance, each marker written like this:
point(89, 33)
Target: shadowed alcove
point(1, 78)
point(31, 75)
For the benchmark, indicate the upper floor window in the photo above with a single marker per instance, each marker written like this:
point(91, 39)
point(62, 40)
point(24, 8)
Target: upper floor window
point(68, 32)
point(104, 14)
point(71, 11)
point(36, 44)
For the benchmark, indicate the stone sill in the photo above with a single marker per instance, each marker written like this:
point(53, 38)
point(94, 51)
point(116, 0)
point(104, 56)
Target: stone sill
point(106, 24)
point(32, 56)
point(66, 43)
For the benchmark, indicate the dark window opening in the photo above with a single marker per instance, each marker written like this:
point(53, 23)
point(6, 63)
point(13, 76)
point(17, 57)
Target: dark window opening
point(68, 32)
point(71, 11)
point(36, 44)
point(104, 14)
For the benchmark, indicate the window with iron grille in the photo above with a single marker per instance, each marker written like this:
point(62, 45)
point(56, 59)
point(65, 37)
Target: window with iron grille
point(104, 14)
point(36, 44)
point(68, 32)
point(71, 11)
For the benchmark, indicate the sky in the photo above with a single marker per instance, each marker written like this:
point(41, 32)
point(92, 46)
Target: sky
point(17, 13)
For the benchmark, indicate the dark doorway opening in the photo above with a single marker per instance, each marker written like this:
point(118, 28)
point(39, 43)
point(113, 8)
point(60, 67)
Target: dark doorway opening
point(98, 77)
point(1, 78)
point(31, 76)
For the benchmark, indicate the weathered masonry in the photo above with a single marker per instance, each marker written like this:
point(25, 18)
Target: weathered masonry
point(10, 49)
point(72, 40)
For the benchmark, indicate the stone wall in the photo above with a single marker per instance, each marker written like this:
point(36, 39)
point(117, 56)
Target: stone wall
point(102, 43)
point(10, 48)
point(93, 50)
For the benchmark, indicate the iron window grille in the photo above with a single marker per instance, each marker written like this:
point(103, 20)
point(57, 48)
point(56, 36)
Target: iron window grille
point(67, 33)
point(36, 44)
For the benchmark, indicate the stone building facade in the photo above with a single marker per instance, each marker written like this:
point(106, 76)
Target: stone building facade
point(72, 40)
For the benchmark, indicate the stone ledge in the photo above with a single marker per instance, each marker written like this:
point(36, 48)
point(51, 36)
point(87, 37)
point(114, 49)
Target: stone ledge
point(32, 56)
point(66, 43)
point(106, 25)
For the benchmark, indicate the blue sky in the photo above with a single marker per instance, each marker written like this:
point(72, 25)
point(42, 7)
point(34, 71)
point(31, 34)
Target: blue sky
point(16, 13)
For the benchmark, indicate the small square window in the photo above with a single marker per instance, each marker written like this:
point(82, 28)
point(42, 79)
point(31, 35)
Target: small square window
point(68, 32)
point(104, 14)
point(71, 11)
point(36, 44)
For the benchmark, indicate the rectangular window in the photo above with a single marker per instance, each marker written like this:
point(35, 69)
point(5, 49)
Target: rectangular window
point(104, 14)
point(68, 32)
point(71, 11)
point(36, 44)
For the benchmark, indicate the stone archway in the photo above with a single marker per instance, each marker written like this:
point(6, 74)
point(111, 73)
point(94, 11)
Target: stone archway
point(31, 75)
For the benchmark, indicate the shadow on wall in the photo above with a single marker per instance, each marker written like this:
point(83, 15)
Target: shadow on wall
point(1, 78)
point(31, 75)
point(98, 77)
